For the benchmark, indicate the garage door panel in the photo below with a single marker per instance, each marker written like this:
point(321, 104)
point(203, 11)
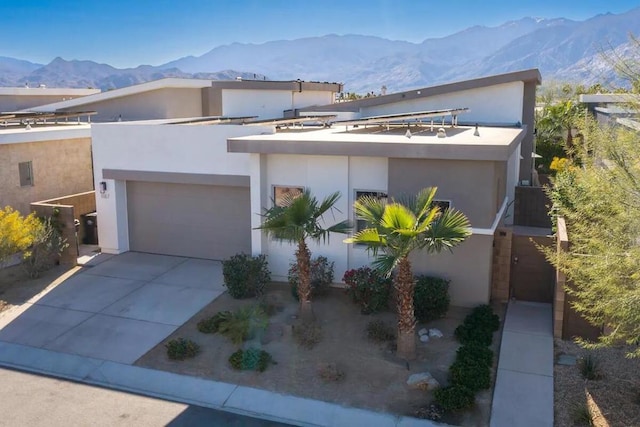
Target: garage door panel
point(202, 221)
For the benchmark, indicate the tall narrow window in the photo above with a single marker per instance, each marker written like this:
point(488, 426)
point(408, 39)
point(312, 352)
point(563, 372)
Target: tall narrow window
point(26, 174)
point(280, 193)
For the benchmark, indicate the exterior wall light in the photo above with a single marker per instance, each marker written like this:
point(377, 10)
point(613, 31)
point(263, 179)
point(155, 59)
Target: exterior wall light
point(103, 187)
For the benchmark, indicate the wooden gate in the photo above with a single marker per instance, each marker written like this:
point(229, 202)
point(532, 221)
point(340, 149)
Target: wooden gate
point(531, 276)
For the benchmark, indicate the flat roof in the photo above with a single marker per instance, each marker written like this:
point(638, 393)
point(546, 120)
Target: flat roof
point(493, 143)
point(20, 134)
point(46, 91)
point(597, 98)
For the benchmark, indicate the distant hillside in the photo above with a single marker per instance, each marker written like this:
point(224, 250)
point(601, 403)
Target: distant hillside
point(562, 49)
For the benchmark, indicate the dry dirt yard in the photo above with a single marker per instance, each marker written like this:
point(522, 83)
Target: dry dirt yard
point(613, 400)
point(373, 377)
point(16, 287)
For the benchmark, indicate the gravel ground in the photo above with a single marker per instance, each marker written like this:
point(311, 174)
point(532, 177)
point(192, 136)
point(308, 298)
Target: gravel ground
point(613, 400)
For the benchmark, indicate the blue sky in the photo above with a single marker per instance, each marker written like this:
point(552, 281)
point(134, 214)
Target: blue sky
point(132, 32)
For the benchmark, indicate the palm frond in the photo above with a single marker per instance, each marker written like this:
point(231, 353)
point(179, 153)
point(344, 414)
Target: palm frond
point(397, 216)
point(386, 263)
point(370, 209)
point(450, 229)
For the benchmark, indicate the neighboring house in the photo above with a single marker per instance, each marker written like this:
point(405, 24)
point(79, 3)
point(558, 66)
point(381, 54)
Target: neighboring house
point(171, 98)
point(21, 98)
point(196, 189)
point(43, 162)
point(614, 108)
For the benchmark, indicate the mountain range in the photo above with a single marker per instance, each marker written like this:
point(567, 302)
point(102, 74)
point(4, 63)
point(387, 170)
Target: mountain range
point(562, 49)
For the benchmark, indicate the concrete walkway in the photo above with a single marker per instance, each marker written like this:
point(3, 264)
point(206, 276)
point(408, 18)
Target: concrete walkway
point(94, 325)
point(523, 394)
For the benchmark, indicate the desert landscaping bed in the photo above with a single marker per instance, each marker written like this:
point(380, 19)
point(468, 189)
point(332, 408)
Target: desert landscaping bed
point(373, 377)
point(613, 399)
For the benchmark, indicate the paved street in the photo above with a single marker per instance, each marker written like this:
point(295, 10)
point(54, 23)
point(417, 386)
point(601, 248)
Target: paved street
point(33, 400)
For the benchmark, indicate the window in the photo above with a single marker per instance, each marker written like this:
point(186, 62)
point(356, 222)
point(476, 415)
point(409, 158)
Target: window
point(280, 193)
point(26, 174)
point(382, 196)
point(442, 204)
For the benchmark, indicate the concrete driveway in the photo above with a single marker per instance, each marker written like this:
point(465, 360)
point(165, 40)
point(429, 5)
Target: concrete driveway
point(117, 307)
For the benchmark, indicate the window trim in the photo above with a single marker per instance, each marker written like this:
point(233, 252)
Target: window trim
point(29, 177)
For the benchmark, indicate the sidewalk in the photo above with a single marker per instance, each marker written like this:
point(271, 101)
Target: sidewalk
point(196, 391)
point(523, 394)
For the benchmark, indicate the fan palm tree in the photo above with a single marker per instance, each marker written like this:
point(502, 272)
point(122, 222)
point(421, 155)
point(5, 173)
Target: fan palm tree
point(297, 219)
point(394, 230)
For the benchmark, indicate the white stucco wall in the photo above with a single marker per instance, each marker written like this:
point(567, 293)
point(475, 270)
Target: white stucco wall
point(312, 97)
point(268, 104)
point(492, 105)
point(157, 148)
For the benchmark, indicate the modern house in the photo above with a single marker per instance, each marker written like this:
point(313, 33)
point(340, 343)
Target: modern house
point(39, 162)
point(20, 98)
point(196, 187)
point(614, 108)
point(172, 98)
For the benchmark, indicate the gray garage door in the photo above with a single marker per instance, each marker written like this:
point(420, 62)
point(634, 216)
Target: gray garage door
point(202, 221)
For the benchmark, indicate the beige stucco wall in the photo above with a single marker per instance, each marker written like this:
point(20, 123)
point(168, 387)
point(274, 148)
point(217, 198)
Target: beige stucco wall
point(471, 186)
point(166, 103)
point(468, 268)
point(60, 167)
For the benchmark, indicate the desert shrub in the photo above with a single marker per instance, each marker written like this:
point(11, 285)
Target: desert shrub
point(379, 331)
point(210, 325)
point(329, 372)
point(245, 276)
point(251, 359)
point(432, 412)
point(243, 324)
point(321, 276)
point(478, 326)
point(590, 368)
point(454, 398)
point(307, 334)
point(16, 232)
point(474, 352)
point(581, 414)
point(368, 288)
point(46, 248)
point(472, 374)
point(431, 298)
point(181, 348)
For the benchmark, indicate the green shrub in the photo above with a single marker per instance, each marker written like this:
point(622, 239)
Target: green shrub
point(46, 247)
point(181, 348)
point(454, 398)
point(590, 368)
point(243, 324)
point(472, 374)
point(478, 327)
point(581, 414)
point(368, 288)
point(321, 276)
point(251, 359)
point(307, 335)
point(211, 324)
point(431, 298)
point(245, 276)
point(379, 331)
point(474, 352)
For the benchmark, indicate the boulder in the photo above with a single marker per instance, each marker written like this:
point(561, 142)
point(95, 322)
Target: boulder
point(424, 338)
point(423, 331)
point(435, 333)
point(422, 381)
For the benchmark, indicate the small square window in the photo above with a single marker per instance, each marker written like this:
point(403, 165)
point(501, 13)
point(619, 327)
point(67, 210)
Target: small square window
point(26, 174)
point(380, 195)
point(281, 193)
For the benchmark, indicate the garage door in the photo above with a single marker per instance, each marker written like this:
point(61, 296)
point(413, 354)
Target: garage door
point(202, 221)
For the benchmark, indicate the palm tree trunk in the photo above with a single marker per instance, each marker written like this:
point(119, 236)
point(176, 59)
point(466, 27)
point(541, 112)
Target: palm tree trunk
point(303, 258)
point(405, 285)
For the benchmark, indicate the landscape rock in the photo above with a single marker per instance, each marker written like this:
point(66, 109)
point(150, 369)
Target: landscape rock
point(435, 333)
point(424, 338)
point(423, 331)
point(422, 381)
